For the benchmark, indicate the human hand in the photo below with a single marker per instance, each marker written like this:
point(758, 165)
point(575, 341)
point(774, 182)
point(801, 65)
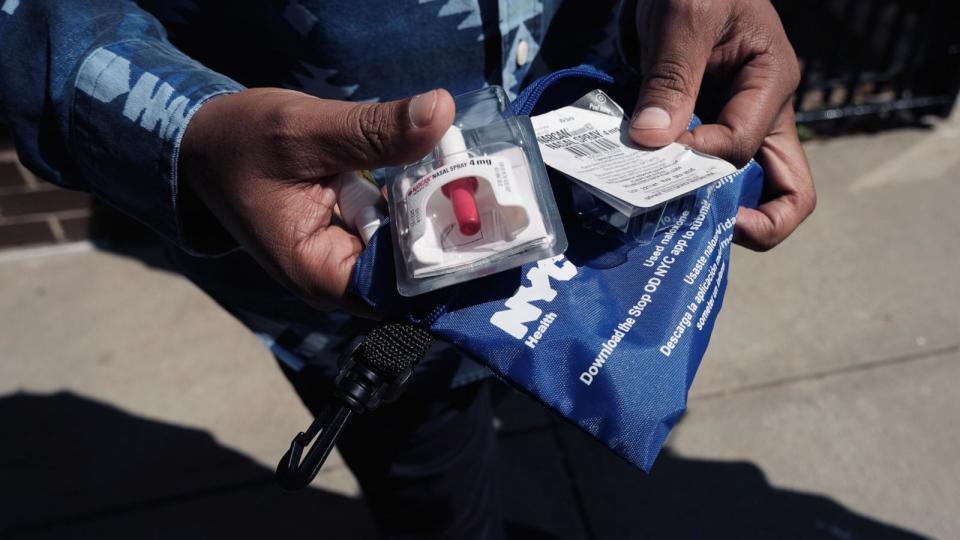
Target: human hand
point(264, 162)
point(743, 42)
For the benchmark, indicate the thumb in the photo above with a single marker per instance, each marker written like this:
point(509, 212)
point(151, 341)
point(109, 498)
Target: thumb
point(374, 135)
point(671, 82)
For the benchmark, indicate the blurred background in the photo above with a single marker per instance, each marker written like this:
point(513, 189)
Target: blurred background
point(130, 404)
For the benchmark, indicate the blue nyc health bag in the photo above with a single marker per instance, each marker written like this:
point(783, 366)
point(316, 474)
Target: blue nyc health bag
point(608, 335)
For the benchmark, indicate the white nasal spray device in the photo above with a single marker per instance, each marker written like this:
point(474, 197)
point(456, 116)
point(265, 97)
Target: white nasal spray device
point(360, 203)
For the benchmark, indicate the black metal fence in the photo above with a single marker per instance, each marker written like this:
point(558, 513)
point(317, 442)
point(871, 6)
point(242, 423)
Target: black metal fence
point(884, 60)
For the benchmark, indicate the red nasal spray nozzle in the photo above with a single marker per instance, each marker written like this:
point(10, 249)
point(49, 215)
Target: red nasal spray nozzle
point(460, 191)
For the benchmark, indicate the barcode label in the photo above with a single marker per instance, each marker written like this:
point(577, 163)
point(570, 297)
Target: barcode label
point(592, 148)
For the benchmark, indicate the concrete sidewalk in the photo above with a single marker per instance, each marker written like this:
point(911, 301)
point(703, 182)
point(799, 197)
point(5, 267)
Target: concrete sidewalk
point(131, 405)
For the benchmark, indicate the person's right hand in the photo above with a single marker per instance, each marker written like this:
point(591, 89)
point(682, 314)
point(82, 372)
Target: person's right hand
point(264, 161)
point(743, 41)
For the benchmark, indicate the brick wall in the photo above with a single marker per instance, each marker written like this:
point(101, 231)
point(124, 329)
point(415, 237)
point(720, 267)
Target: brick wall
point(37, 213)
point(34, 212)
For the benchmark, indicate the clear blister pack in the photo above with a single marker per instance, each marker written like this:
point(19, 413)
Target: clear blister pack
point(639, 225)
point(480, 203)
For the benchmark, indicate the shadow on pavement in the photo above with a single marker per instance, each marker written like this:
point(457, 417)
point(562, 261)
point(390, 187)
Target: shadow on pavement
point(682, 498)
point(690, 498)
point(76, 468)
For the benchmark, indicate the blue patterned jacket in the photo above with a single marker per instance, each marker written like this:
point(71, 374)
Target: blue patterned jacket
point(99, 93)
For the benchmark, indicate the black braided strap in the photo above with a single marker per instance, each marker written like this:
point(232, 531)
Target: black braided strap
point(391, 349)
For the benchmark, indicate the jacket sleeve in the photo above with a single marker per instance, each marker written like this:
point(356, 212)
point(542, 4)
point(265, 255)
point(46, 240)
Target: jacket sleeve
point(98, 99)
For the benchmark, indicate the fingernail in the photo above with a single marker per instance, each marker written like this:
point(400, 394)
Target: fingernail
point(421, 108)
point(651, 118)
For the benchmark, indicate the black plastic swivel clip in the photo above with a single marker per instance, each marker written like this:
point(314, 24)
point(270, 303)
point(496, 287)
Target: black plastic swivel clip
point(369, 376)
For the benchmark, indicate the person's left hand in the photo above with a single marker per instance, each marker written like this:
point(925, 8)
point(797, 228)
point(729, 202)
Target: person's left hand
point(266, 163)
point(743, 41)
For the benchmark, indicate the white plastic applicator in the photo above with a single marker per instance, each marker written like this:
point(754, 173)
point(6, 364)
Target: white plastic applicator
point(360, 201)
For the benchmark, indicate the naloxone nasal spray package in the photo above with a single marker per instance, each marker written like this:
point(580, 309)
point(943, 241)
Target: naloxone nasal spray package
point(620, 189)
point(480, 203)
